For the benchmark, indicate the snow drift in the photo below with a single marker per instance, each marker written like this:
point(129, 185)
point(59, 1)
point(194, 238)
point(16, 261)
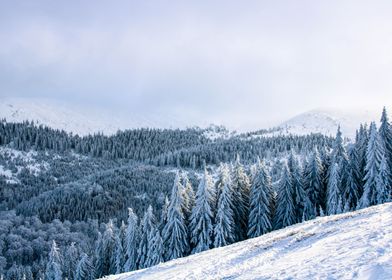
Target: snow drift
point(356, 245)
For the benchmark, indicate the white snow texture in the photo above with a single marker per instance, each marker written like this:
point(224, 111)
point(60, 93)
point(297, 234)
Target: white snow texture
point(356, 245)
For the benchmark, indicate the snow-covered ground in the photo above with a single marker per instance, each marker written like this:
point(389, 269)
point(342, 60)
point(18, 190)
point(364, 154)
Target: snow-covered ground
point(355, 245)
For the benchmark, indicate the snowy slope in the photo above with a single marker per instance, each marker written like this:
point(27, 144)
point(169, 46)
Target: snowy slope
point(76, 119)
point(355, 245)
point(326, 121)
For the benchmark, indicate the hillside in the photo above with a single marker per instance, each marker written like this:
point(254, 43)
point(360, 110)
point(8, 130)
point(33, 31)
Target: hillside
point(356, 245)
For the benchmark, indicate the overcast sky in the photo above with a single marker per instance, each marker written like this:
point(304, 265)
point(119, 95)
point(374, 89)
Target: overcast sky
point(240, 63)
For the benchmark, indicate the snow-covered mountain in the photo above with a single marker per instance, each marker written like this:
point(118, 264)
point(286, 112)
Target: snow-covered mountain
point(356, 245)
point(326, 121)
point(82, 120)
point(77, 119)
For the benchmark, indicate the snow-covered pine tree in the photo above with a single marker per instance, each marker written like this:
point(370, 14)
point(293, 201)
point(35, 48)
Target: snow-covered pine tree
point(352, 187)
point(84, 269)
point(385, 133)
point(120, 249)
point(155, 252)
point(260, 212)
point(339, 156)
point(314, 182)
point(70, 261)
point(299, 194)
point(224, 220)
point(53, 267)
point(175, 233)
point(374, 154)
point(131, 242)
point(333, 192)
point(382, 183)
point(241, 188)
point(107, 259)
point(147, 227)
point(201, 225)
point(189, 197)
point(285, 212)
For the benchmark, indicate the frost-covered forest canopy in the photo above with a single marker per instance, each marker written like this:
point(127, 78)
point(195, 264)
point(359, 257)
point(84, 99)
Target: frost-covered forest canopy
point(85, 207)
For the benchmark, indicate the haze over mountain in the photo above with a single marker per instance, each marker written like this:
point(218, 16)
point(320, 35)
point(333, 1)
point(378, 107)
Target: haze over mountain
point(81, 120)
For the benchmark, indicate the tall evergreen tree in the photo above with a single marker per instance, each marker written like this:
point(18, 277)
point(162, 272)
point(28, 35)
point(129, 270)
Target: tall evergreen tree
point(70, 261)
point(120, 249)
point(385, 132)
point(131, 241)
point(202, 216)
point(224, 220)
point(53, 267)
point(189, 198)
point(352, 187)
point(106, 264)
point(382, 183)
point(84, 269)
point(155, 252)
point(241, 187)
point(260, 215)
point(333, 192)
point(299, 194)
point(285, 212)
point(374, 154)
point(314, 181)
point(175, 233)
point(147, 227)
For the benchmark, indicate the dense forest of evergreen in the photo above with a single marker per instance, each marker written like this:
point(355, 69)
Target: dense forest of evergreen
point(85, 207)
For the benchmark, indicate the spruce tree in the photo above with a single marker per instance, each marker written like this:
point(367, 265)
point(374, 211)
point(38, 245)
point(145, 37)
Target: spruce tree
point(120, 249)
point(314, 182)
point(155, 252)
point(202, 216)
point(382, 182)
point(260, 214)
point(147, 227)
point(70, 261)
point(224, 220)
point(374, 154)
point(385, 132)
point(131, 241)
point(285, 212)
point(53, 267)
point(175, 233)
point(84, 269)
point(299, 194)
point(333, 192)
point(241, 188)
point(352, 187)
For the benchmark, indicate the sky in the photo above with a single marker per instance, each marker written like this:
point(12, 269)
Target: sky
point(237, 63)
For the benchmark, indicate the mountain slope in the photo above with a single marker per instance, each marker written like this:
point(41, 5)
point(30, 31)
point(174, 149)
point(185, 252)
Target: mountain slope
point(77, 119)
point(326, 121)
point(355, 245)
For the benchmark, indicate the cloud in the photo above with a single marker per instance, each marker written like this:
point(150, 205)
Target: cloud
point(241, 64)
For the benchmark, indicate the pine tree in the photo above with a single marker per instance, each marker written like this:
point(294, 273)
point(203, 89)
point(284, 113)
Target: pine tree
point(175, 233)
point(241, 188)
point(202, 216)
point(299, 194)
point(106, 259)
point(224, 220)
point(352, 188)
point(314, 181)
point(131, 242)
point(155, 252)
point(147, 227)
point(260, 216)
point(70, 261)
point(189, 197)
point(382, 183)
point(120, 249)
point(333, 192)
point(385, 133)
point(339, 156)
point(285, 212)
point(53, 267)
point(374, 155)
point(84, 269)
